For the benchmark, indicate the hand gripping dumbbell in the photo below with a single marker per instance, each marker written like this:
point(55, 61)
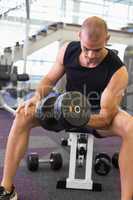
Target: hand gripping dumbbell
point(102, 164)
point(55, 161)
point(63, 111)
point(45, 112)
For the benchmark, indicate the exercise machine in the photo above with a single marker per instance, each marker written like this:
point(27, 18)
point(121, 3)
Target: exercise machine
point(9, 78)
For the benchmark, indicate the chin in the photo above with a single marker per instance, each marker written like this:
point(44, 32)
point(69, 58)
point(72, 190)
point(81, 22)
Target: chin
point(92, 66)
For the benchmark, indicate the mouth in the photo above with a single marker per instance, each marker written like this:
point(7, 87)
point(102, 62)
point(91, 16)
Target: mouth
point(92, 61)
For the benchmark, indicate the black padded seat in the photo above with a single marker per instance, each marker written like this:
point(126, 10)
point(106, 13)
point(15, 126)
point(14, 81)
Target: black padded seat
point(85, 129)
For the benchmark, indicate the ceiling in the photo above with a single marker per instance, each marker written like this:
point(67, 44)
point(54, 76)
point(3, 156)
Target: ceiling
point(13, 14)
point(127, 2)
point(60, 7)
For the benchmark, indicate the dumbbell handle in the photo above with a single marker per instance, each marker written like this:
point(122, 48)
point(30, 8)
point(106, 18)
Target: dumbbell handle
point(45, 160)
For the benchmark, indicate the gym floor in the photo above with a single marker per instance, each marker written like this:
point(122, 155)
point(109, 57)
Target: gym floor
point(41, 185)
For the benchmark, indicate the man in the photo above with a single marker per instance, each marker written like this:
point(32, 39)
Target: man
point(91, 69)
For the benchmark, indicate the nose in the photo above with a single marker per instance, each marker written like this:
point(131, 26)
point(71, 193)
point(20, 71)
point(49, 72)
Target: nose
point(91, 54)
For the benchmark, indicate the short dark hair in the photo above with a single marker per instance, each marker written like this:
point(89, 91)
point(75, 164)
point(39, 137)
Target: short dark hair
point(94, 21)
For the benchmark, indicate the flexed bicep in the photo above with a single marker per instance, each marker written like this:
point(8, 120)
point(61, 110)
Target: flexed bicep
point(112, 95)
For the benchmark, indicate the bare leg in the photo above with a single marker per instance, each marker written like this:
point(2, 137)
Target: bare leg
point(16, 147)
point(126, 170)
point(123, 126)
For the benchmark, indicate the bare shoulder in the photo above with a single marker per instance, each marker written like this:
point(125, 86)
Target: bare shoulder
point(114, 91)
point(122, 71)
point(57, 70)
point(61, 53)
point(119, 79)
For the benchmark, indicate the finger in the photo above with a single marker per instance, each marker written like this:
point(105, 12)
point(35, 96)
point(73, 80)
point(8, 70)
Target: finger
point(26, 108)
point(20, 107)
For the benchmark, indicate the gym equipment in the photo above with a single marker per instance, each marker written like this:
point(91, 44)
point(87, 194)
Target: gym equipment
point(9, 73)
point(115, 158)
point(27, 28)
point(84, 136)
point(72, 109)
point(55, 161)
point(9, 76)
point(102, 165)
point(45, 113)
point(81, 149)
point(57, 112)
point(64, 142)
point(127, 103)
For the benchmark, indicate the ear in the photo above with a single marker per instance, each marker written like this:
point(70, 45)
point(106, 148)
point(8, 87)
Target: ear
point(79, 34)
point(107, 38)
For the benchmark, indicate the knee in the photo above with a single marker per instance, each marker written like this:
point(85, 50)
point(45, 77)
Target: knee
point(24, 121)
point(128, 130)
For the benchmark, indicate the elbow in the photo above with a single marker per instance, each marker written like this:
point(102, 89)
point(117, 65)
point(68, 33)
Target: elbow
point(108, 118)
point(107, 121)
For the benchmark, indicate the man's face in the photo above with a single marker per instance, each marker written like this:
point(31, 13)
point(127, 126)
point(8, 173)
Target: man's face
point(93, 50)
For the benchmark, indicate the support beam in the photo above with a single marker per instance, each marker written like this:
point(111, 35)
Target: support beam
point(66, 32)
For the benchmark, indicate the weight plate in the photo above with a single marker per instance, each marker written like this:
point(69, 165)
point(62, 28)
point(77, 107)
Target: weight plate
point(73, 109)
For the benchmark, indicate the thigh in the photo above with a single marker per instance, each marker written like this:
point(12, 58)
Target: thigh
point(119, 125)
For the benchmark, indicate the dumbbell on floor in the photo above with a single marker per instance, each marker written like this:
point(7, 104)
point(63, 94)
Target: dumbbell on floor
point(55, 161)
point(115, 158)
point(64, 142)
point(102, 165)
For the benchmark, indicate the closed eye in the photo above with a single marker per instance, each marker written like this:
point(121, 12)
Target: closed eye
point(94, 50)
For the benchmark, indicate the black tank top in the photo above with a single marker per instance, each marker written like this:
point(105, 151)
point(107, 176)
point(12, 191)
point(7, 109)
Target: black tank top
point(89, 81)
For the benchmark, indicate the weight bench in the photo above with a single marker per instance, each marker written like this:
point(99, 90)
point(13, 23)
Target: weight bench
point(71, 182)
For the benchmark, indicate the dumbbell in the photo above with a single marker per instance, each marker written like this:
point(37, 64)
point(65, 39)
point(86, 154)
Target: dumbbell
point(115, 158)
point(63, 111)
point(102, 164)
point(64, 142)
point(72, 109)
point(55, 161)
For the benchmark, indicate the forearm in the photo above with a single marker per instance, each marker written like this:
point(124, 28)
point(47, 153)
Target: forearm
point(44, 88)
point(103, 119)
point(98, 121)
